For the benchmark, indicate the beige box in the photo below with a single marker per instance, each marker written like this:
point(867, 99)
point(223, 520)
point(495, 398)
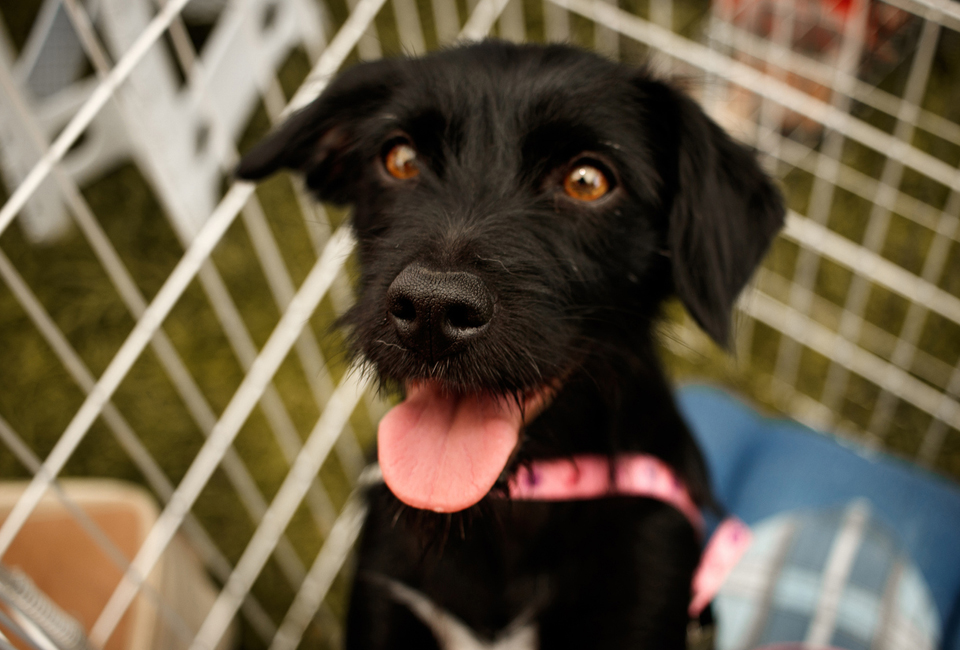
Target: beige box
point(72, 568)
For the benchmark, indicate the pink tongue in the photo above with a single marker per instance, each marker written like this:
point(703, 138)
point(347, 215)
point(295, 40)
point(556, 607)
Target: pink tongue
point(444, 452)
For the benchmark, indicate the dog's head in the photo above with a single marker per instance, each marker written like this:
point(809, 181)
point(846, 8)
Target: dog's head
point(521, 211)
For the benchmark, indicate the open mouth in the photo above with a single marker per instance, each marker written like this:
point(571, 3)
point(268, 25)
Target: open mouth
point(443, 451)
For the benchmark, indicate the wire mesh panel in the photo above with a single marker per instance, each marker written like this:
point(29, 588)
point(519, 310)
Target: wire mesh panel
point(164, 325)
point(856, 317)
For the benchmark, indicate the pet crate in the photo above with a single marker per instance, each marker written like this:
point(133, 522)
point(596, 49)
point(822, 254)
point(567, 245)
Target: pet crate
point(162, 324)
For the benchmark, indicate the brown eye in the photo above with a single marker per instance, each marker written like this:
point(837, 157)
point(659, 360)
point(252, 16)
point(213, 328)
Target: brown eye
point(586, 183)
point(401, 161)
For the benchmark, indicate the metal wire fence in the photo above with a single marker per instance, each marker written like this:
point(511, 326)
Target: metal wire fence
point(853, 324)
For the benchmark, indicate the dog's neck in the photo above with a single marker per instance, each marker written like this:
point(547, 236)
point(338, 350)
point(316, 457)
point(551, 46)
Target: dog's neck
point(619, 407)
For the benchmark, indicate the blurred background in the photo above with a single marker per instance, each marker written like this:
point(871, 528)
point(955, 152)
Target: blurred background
point(163, 326)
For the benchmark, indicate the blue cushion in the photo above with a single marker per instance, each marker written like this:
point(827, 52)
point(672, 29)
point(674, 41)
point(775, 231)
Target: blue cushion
point(763, 466)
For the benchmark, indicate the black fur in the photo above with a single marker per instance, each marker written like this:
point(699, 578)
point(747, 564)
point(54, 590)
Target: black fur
point(577, 288)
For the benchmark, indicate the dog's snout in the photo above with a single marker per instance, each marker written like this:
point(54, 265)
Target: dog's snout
point(436, 312)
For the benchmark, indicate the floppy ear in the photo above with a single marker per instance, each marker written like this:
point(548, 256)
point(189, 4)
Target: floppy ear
point(724, 214)
point(320, 140)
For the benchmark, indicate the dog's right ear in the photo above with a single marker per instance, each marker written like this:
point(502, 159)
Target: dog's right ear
point(320, 140)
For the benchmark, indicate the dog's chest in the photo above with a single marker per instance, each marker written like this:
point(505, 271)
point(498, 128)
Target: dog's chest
point(451, 633)
point(529, 574)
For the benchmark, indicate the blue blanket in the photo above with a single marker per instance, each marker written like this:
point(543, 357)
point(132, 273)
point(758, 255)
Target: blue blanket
point(763, 468)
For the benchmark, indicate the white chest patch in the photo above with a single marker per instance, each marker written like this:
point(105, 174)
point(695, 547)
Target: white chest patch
point(453, 634)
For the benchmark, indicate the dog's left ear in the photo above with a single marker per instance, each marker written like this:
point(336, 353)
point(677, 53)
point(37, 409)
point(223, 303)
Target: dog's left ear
point(319, 141)
point(725, 211)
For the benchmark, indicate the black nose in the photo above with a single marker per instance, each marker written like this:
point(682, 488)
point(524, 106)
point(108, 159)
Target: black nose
point(437, 312)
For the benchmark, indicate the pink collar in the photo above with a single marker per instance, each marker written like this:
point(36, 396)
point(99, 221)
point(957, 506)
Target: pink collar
point(640, 475)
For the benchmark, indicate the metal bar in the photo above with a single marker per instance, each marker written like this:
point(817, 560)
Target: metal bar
point(937, 431)
point(874, 338)
point(797, 63)
point(822, 193)
point(22, 634)
point(481, 21)
point(317, 223)
point(158, 481)
point(941, 11)
point(771, 114)
point(176, 370)
point(368, 46)
point(688, 341)
point(446, 20)
point(409, 28)
point(512, 23)
point(30, 460)
point(318, 446)
point(857, 360)
point(556, 22)
point(905, 352)
point(281, 286)
point(701, 57)
point(661, 13)
point(241, 404)
point(855, 304)
point(326, 566)
point(131, 349)
point(104, 90)
point(307, 348)
point(856, 182)
point(361, 17)
point(606, 41)
point(869, 264)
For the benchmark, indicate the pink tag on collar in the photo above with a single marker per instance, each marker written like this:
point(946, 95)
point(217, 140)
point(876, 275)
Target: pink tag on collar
point(726, 546)
point(593, 476)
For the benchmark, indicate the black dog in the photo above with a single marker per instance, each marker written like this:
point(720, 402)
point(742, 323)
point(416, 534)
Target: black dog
point(522, 213)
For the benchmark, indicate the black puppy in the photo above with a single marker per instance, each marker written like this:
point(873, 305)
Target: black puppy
point(522, 213)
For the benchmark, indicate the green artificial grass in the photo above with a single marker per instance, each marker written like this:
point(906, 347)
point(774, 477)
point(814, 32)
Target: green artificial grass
point(38, 397)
